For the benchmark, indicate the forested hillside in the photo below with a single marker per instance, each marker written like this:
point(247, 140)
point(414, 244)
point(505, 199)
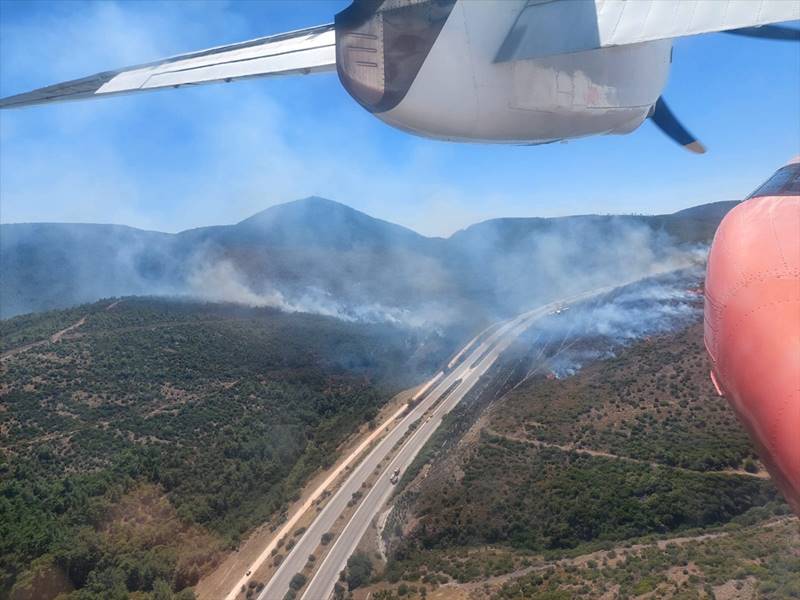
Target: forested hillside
point(143, 441)
point(561, 487)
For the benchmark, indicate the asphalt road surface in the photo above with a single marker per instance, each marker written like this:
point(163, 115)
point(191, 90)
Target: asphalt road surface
point(462, 378)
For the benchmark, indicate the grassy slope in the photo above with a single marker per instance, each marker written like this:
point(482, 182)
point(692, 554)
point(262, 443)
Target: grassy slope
point(213, 414)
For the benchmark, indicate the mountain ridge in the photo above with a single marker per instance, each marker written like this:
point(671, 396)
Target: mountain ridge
point(318, 255)
point(722, 205)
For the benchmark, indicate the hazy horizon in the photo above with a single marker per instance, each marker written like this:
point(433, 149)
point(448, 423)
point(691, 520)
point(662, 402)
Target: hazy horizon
point(180, 159)
point(278, 204)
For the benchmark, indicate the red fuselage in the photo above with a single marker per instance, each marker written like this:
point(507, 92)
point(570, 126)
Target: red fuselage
point(752, 322)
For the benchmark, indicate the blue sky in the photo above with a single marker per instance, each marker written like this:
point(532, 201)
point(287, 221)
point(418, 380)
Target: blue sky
point(216, 154)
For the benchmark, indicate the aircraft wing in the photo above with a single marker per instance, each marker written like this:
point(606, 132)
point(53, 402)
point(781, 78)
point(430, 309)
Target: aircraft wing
point(549, 27)
point(299, 52)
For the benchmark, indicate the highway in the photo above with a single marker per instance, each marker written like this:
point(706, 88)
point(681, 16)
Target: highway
point(475, 363)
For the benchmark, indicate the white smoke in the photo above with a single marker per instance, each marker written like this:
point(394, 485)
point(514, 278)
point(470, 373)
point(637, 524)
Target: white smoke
point(598, 328)
point(221, 281)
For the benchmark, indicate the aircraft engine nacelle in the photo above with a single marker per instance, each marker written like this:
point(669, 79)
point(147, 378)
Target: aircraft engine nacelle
point(752, 322)
point(433, 68)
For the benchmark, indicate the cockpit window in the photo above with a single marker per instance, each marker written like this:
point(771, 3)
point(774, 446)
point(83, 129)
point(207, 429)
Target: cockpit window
point(785, 182)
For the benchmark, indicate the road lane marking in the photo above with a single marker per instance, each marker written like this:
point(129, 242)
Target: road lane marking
point(309, 503)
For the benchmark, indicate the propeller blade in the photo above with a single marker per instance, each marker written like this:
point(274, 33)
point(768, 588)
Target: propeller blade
point(768, 32)
point(665, 120)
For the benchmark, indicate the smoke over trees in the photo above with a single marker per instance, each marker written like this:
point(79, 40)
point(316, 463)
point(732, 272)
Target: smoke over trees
point(318, 256)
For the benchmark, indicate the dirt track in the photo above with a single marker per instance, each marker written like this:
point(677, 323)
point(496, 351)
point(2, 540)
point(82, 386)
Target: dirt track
point(600, 453)
point(53, 339)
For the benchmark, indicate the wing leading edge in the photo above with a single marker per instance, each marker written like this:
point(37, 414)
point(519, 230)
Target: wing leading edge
point(304, 51)
point(566, 26)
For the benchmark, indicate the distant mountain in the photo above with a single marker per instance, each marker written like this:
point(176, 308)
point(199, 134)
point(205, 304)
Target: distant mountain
point(690, 225)
point(695, 224)
point(317, 255)
point(55, 265)
point(318, 222)
point(322, 256)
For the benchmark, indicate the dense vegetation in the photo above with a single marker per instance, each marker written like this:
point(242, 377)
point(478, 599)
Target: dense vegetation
point(754, 561)
point(653, 402)
point(754, 556)
point(541, 499)
point(359, 569)
point(159, 432)
point(29, 328)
